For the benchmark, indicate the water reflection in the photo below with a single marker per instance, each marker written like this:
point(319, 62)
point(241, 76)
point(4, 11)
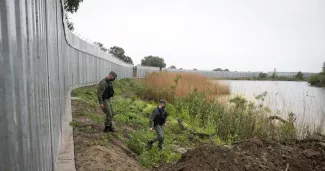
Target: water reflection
point(308, 103)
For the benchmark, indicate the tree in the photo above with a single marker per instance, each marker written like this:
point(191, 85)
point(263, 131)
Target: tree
point(218, 69)
point(262, 75)
point(70, 24)
point(274, 73)
point(153, 61)
point(128, 60)
point(101, 46)
point(120, 53)
point(172, 67)
point(300, 75)
point(324, 67)
point(71, 6)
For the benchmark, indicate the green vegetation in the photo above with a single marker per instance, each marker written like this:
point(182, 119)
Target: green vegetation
point(317, 80)
point(219, 69)
point(206, 120)
point(70, 7)
point(120, 53)
point(172, 67)
point(153, 61)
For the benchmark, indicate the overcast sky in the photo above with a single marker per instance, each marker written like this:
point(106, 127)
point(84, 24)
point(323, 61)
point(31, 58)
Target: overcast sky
point(242, 35)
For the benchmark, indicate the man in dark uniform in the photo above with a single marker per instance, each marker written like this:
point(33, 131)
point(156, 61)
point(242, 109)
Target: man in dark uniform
point(104, 93)
point(157, 121)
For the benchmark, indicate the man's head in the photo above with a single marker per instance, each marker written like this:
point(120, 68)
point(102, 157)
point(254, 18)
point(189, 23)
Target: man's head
point(112, 76)
point(162, 103)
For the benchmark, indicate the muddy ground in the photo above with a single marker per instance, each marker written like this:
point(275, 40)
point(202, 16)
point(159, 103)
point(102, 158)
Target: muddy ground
point(95, 150)
point(253, 155)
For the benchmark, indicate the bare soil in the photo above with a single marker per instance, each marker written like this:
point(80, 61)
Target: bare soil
point(253, 155)
point(93, 150)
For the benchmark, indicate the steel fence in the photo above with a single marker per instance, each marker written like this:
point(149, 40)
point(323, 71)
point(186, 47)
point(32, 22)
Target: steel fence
point(142, 71)
point(289, 74)
point(40, 61)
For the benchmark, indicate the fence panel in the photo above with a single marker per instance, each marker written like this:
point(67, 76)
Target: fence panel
point(40, 61)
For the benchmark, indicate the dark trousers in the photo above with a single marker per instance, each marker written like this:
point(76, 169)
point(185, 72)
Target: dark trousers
point(160, 135)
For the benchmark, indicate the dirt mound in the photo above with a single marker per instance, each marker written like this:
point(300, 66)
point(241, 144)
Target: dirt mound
point(253, 155)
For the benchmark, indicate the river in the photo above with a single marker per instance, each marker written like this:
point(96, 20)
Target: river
point(308, 103)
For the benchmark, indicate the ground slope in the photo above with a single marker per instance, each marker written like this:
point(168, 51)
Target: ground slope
point(253, 155)
point(95, 150)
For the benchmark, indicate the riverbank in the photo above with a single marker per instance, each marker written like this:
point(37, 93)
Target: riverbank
point(195, 119)
point(317, 80)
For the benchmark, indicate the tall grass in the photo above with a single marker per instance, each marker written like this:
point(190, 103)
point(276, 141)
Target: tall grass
point(162, 85)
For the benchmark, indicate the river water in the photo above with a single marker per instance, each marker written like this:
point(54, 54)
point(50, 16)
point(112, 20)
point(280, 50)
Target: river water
point(308, 103)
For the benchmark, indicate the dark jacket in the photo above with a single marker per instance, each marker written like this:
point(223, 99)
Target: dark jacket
point(158, 117)
point(105, 90)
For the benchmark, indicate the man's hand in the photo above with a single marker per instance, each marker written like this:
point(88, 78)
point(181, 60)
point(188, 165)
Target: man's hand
point(150, 129)
point(102, 106)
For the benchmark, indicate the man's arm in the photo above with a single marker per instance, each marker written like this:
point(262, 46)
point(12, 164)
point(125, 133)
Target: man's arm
point(100, 91)
point(152, 117)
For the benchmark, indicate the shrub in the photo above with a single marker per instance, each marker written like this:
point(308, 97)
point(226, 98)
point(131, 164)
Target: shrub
point(317, 79)
point(300, 75)
point(262, 75)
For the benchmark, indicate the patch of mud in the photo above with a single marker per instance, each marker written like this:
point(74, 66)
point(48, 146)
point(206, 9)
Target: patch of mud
point(93, 150)
point(253, 155)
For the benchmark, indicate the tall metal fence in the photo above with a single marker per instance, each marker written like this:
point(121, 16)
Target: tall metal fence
point(289, 74)
point(142, 71)
point(40, 61)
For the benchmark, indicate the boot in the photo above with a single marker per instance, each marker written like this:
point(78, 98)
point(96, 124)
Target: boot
point(106, 129)
point(160, 147)
point(112, 129)
point(149, 144)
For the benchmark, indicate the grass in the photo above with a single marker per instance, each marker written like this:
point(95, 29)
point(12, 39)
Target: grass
point(188, 94)
point(162, 85)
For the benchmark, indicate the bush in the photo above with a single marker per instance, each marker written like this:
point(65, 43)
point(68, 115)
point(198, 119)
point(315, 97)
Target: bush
point(300, 75)
point(262, 75)
point(317, 79)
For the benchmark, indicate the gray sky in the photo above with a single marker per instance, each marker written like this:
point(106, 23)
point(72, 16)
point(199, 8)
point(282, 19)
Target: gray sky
point(242, 35)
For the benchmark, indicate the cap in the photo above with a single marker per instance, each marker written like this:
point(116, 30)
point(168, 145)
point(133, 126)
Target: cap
point(163, 101)
point(113, 73)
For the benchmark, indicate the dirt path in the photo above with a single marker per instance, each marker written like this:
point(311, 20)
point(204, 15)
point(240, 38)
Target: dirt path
point(95, 150)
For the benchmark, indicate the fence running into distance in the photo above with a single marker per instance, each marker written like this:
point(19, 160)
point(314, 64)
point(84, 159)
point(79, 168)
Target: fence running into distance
point(142, 71)
point(40, 61)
